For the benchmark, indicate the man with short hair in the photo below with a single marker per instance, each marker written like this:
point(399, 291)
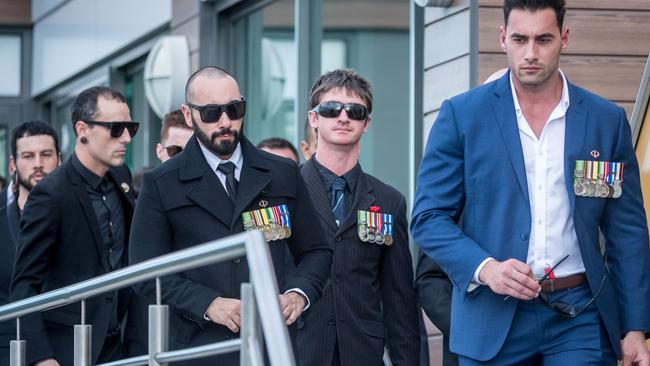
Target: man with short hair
point(280, 147)
point(34, 154)
point(174, 135)
point(537, 167)
point(75, 226)
point(211, 190)
point(308, 145)
point(369, 301)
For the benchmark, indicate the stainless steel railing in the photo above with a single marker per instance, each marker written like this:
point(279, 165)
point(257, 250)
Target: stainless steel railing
point(263, 287)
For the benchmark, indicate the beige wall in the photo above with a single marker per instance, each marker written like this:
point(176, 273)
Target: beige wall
point(608, 45)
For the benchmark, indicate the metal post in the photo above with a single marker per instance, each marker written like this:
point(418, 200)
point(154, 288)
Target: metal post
point(158, 332)
point(82, 344)
point(251, 333)
point(17, 353)
point(17, 348)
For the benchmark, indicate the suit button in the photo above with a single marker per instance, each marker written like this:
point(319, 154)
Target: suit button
point(237, 260)
point(337, 279)
point(331, 322)
point(338, 238)
point(227, 337)
point(109, 298)
point(523, 237)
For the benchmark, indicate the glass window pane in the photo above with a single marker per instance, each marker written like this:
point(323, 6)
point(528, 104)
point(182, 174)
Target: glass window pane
point(10, 49)
point(375, 42)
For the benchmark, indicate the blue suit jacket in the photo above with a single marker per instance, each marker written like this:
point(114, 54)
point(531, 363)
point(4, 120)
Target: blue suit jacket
point(473, 165)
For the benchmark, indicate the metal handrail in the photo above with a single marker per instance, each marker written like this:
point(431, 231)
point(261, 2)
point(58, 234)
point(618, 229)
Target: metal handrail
point(262, 276)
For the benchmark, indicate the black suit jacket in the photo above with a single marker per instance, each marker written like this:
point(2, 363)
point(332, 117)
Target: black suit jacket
point(8, 237)
point(434, 294)
point(59, 244)
point(183, 204)
point(370, 298)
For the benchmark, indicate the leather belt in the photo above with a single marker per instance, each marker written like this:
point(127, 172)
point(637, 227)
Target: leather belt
point(564, 282)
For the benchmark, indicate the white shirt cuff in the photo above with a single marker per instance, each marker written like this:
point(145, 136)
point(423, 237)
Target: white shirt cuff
point(303, 295)
point(475, 281)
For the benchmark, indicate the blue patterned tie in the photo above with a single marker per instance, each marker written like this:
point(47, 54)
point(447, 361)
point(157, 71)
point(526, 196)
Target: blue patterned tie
point(338, 199)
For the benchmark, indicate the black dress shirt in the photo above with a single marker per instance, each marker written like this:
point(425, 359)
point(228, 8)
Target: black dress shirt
point(107, 204)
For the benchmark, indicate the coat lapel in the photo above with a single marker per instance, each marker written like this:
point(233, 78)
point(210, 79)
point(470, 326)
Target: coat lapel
point(504, 109)
point(318, 194)
point(574, 138)
point(255, 177)
point(363, 198)
point(79, 188)
point(206, 190)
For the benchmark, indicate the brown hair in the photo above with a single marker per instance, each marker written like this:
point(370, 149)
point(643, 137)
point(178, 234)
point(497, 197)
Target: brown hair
point(172, 119)
point(341, 78)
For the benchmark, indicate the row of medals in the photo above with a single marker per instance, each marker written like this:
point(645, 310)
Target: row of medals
point(274, 222)
point(375, 227)
point(600, 179)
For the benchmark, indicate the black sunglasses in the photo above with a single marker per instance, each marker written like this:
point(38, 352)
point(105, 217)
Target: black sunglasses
point(211, 113)
point(117, 128)
point(566, 309)
point(173, 150)
point(333, 109)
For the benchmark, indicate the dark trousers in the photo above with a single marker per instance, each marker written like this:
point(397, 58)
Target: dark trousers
point(542, 336)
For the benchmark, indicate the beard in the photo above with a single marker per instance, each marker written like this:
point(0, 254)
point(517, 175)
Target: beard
point(222, 149)
point(26, 182)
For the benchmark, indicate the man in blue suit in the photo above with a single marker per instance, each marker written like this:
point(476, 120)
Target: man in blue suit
point(537, 167)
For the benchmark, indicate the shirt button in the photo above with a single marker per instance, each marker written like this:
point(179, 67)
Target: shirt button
point(104, 198)
point(539, 222)
point(540, 187)
point(110, 223)
point(523, 237)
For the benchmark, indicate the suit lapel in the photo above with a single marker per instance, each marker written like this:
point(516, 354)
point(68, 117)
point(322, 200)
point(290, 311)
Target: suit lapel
point(207, 191)
point(79, 188)
point(318, 194)
point(504, 109)
point(574, 138)
point(363, 198)
point(13, 220)
point(254, 178)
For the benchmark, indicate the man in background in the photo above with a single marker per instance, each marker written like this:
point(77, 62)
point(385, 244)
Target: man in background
point(279, 146)
point(34, 154)
point(174, 135)
point(308, 145)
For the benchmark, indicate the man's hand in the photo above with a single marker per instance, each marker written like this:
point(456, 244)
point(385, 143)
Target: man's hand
point(511, 277)
point(292, 304)
point(225, 312)
point(635, 351)
point(48, 362)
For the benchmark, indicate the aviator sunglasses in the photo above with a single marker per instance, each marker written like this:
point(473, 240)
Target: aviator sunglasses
point(211, 113)
point(117, 128)
point(333, 109)
point(173, 150)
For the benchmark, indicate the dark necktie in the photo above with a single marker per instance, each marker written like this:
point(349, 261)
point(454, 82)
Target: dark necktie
point(338, 199)
point(228, 169)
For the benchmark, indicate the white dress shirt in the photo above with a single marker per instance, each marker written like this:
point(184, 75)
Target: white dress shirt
point(553, 234)
point(236, 158)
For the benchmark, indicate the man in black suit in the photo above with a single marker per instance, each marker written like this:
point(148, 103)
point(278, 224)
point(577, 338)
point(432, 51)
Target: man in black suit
point(34, 154)
point(434, 295)
point(74, 227)
point(199, 195)
point(369, 300)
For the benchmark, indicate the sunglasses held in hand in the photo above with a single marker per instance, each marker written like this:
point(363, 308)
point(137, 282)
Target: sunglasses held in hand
point(333, 109)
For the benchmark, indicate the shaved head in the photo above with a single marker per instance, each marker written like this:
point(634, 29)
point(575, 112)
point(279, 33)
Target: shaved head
point(210, 72)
